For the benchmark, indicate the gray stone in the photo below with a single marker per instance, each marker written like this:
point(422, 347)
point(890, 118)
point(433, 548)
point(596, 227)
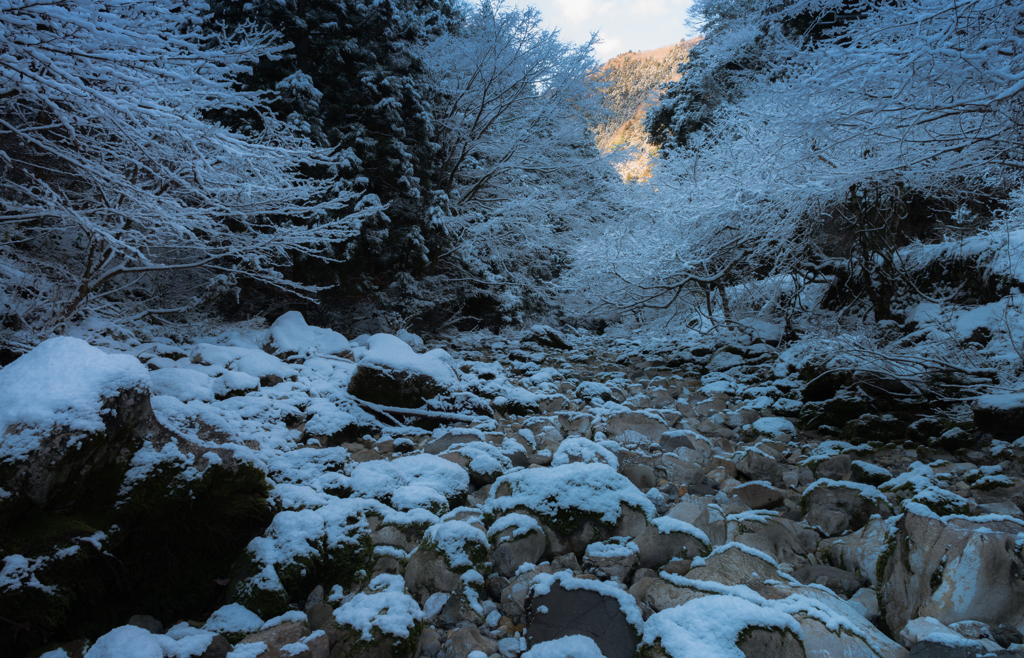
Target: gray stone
point(511, 554)
point(770, 643)
point(657, 548)
point(830, 495)
point(843, 583)
point(647, 424)
point(680, 471)
point(784, 540)
point(319, 615)
point(429, 644)
point(953, 569)
point(759, 496)
point(466, 640)
point(756, 465)
point(673, 439)
point(393, 388)
point(581, 612)
point(151, 624)
point(641, 475)
point(427, 572)
point(858, 551)
point(835, 468)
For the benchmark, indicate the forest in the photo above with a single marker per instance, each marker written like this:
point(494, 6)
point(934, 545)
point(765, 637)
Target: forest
point(370, 328)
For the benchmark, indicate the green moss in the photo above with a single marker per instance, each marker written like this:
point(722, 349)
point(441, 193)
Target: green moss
point(396, 647)
point(936, 580)
point(343, 562)
point(883, 559)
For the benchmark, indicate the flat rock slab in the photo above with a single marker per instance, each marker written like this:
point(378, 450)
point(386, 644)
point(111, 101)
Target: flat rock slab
point(563, 612)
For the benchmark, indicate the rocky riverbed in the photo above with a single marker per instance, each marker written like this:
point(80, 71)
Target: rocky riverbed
point(291, 492)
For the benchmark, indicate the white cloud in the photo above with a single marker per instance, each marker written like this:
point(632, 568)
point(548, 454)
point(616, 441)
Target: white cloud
point(623, 24)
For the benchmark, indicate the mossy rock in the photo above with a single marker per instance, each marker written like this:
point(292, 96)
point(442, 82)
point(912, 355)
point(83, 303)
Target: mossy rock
point(348, 641)
point(884, 428)
point(836, 411)
point(344, 563)
point(173, 539)
point(860, 474)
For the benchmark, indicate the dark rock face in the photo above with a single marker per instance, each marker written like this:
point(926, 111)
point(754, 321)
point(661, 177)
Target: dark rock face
point(56, 473)
point(1000, 415)
point(771, 643)
point(102, 551)
point(392, 388)
point(563, 612)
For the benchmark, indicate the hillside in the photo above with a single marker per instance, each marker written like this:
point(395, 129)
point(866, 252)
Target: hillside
point(633, 81)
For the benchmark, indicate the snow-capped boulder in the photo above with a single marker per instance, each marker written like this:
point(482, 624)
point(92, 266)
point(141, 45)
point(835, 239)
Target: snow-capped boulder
point(383, 620)
point(449, 550)
point(69, 410)
point(574, 503)
point(546, 336)
point(1001, 415)
point(390, 373)
point(667, 538)
point(518, 539)
point(290, 338)
point(723, 626)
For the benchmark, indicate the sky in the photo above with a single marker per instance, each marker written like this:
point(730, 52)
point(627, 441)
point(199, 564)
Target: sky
point(623, 24)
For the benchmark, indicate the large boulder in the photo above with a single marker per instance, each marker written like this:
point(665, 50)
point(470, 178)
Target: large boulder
point(952, 568)
point(575, 504)
point(858, 551)
point(1001, 415)
point(562, 605)
point(756, 464)
point(70, 410)
point(91, 479)
point(780, 538)
point(837, 506)
point(391, 374)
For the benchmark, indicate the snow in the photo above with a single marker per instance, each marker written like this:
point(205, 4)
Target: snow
point(667, 524)
point(379, 479)
point(774, 426)
point(61, 383)
point(383, 606)
point(865, 491)
point(579, 449)
point(452, 538)
point(521, 524)
point(871, 469)
point(135, 642)
point(709, 626)
point(484, 458)
point(184, 384)
point(291, 334)
point(594, 488)
point(290, 616)
point(570, 646)
point(390, 352)
point(918, 476)
point(611, 549)
point(233, 618)
point(248, 650)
